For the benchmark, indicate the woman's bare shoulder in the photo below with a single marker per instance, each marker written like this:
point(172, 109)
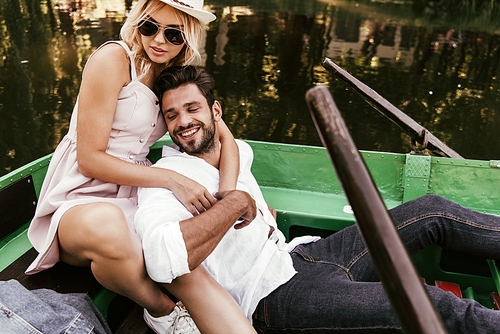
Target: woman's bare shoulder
point(110, 60)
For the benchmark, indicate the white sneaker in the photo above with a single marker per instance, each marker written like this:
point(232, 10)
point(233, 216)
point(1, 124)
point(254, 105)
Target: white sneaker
point(177, 322)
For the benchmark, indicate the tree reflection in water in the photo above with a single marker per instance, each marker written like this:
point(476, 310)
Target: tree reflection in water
point(264, 56)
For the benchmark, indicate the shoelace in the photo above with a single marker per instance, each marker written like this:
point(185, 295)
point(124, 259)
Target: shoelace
point(186, 325)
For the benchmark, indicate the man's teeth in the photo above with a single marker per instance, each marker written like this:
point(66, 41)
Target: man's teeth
point(188, 133)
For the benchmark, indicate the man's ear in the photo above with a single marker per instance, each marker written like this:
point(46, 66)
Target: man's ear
point(217, 110)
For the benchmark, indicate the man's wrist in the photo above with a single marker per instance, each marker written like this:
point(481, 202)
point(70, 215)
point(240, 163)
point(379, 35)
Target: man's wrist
point(240, 203)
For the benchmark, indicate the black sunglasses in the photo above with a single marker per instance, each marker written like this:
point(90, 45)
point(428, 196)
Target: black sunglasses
point(172, 35)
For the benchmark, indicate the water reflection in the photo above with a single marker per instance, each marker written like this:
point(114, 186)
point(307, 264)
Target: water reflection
point(264, 56)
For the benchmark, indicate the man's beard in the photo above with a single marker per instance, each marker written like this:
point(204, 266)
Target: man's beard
point(202, 145)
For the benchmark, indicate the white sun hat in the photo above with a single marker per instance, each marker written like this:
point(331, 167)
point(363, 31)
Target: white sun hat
point(193, 8)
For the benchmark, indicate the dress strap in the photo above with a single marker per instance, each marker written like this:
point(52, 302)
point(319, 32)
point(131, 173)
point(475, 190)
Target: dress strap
point(133, 73)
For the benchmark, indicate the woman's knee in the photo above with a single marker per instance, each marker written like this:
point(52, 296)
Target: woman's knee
point(97, 227)
point(93, 219)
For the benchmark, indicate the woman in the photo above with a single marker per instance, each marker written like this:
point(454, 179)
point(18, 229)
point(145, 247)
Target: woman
point(89, 195)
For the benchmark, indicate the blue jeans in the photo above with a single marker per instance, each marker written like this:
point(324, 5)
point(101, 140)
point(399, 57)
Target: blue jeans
point(46, 311)
point(337, 289)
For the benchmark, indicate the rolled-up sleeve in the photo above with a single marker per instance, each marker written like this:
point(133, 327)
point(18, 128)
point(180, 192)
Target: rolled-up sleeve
point(157, 223)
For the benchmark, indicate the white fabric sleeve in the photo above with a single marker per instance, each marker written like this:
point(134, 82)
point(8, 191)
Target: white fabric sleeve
point(157, 223)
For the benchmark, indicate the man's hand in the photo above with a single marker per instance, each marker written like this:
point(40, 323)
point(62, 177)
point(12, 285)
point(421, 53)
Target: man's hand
point(240, 198)
point(203, 232)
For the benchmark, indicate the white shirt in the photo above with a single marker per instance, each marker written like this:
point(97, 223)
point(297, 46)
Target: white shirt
point(247, 262)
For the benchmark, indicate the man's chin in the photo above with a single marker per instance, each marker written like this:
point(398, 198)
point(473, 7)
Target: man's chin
point(184, 148)
point(194, 147)
point(187, 147)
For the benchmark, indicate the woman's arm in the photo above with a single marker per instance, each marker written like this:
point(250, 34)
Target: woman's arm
point(104, 76)
point(229, 165)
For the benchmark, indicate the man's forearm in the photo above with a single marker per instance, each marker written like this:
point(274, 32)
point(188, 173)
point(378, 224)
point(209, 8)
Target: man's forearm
point(203, 233)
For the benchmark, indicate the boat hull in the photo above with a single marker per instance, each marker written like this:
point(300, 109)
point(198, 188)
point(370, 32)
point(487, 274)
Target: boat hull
point(301, 184)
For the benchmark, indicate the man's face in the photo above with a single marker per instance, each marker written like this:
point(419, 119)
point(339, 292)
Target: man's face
point(190, 121)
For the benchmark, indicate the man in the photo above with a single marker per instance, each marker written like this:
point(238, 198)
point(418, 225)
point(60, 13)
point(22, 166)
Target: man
point(309, 284)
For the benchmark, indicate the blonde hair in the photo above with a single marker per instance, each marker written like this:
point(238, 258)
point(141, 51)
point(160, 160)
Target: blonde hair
point(129, 33)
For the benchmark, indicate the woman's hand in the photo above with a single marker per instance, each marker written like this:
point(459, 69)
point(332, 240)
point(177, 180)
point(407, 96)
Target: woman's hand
point(191, 194)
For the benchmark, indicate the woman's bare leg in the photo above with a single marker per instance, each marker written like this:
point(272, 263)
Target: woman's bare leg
point(97, 235)
point(211, 307)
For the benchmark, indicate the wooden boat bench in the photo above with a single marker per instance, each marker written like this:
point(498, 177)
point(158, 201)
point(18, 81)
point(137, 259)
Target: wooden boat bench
point(123, 315)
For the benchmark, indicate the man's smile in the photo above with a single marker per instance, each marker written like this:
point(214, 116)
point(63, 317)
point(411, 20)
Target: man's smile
point(188, 133)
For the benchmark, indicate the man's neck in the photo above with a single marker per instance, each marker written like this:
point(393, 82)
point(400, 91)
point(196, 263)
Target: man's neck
point(212, 157)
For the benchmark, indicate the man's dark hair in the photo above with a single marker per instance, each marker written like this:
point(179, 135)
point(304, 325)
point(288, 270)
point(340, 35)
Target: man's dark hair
point(177, 76)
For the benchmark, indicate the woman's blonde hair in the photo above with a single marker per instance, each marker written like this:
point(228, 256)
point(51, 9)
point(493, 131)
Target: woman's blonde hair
point(129, 33)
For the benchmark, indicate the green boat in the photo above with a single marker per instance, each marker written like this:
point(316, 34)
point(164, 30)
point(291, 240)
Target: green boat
point(301, 184)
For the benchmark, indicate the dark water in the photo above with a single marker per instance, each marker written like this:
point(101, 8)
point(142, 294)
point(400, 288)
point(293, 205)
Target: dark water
point(442, 69)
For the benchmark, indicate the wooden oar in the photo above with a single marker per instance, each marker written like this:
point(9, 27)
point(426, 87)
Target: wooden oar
point(406, 123)
point(410, 302)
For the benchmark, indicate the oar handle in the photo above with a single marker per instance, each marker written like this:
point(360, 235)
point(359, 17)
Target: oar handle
point(408, 297)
